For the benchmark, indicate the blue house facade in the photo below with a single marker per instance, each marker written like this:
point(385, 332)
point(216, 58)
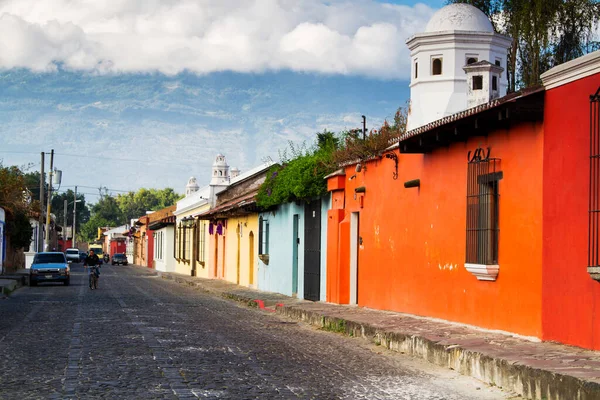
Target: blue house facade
point(293, 249)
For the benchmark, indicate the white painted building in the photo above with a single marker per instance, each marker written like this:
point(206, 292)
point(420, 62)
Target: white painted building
point(442, 83)
point(34, 243)
point(174, 245)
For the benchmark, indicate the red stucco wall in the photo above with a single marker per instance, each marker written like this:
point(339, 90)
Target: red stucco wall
point(150, 241)
point(117, 247)
point(571, 299)
point(413, 240)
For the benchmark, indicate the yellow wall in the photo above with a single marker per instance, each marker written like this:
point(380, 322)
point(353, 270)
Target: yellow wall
point(238, 253)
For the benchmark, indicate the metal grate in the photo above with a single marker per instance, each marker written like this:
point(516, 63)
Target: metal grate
point(263, 236)
point(201, 227)
point(483, 197)
point(594, 201)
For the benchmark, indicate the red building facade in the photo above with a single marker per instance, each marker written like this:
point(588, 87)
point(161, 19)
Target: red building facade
point(570, 297)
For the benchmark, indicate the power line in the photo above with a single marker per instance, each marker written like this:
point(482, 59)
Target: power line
point(184, 162)
point(95, 187)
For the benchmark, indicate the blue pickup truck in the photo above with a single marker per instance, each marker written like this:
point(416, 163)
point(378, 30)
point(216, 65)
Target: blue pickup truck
point(50, 267)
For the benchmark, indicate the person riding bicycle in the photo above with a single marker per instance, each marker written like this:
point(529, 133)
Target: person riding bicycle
point(92, 265)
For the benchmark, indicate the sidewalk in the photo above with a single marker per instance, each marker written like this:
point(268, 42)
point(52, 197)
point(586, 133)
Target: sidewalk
point(534, 370)
point(10, 282)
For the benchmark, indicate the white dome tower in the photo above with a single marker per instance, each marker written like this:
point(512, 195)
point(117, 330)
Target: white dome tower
point(191, 187)
point(220, 171)
point(456, 35)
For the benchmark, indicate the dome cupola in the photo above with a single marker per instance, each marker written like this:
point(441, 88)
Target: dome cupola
point(191, 187)
point(459, 17)
point(456, 36)
point(220, 171)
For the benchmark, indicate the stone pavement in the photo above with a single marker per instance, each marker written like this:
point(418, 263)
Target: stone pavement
point(532, 369)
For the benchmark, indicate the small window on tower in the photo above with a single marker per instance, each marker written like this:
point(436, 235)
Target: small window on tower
point(477, 82)
point(494, 83)
point(215, 173)
point(416, 70)
point(436, 66)
point(498, 63)
point(471, 60)
point(220, 173)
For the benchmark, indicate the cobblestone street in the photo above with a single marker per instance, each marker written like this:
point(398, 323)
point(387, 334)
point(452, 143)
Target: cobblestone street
point(139, 336)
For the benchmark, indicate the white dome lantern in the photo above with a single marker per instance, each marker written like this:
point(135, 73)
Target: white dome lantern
point(457, 35)
point(220, 171)
point(459, 17)
point(191, 187)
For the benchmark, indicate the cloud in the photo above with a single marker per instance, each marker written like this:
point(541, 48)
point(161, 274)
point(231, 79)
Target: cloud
point(347, 37)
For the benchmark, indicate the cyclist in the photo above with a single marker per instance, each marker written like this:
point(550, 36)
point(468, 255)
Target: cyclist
point(92, 265)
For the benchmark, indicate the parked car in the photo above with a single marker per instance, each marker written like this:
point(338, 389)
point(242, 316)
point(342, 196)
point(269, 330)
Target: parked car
point(72, 255)
point(82, 256)
point(120, 259)
point(50, 267)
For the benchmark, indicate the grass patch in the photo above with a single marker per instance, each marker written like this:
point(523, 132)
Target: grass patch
point(337, 326)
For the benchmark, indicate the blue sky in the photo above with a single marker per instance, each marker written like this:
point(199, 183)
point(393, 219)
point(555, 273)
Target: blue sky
point(133, 94)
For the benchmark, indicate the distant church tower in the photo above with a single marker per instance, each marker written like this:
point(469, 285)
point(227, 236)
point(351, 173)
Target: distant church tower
point(220, 171)
point(191, 187)
point(442, 82)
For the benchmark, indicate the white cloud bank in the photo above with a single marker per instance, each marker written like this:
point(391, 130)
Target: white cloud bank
point(202, 36)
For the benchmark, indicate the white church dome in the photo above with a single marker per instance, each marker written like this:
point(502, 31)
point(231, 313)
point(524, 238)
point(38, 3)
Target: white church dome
point(459, 17)
point(220, 161)
point(192, 186)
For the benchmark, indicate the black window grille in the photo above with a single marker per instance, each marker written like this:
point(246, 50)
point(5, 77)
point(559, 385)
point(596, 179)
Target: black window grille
point(494, 83)
point(263, 236)
point(594, 200)
point(483, 197)
point(201, 226)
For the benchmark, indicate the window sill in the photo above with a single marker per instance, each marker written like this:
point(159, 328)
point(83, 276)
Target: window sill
point(264, 258)
point(594, 273)
point(483, 272)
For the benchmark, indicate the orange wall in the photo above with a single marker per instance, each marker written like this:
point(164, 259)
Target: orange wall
point(571, 299)
point(413, 251)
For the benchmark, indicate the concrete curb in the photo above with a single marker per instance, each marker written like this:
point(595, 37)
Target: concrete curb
point(518, 375)
point(529, 382)
point(9, 285)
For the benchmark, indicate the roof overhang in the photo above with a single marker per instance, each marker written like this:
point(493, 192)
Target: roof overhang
point(170, 220)
point(502, 113)
point(241, 206)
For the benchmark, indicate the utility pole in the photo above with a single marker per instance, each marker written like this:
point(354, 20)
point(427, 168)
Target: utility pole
point(73, 242)
point(47, 238)
point(65, 218)
point(40, 246)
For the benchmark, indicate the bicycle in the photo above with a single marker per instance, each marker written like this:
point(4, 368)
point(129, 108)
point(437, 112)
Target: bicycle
point(94, 275)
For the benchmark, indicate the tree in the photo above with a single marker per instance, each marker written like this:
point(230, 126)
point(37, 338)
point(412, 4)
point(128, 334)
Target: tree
point(108, 210)
point(58, 205)
point(301, 177)
point(135, 204)
point(32, 180)
point(15, 199)
point(89, 230)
